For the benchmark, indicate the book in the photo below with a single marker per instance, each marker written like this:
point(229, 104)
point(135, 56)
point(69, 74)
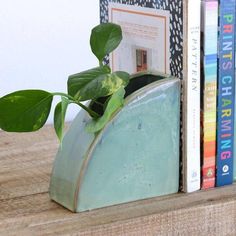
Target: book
point(226, 93)
point(235, 111)
point(209, 43)
point(164, 36)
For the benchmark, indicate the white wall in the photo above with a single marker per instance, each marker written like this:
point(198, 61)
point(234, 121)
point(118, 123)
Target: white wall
point(44, 41)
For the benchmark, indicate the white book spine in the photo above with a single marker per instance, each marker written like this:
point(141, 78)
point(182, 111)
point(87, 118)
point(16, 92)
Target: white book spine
point(192, 97)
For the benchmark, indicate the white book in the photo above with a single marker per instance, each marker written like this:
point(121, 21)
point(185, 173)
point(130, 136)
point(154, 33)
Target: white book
point(191, 86)
point(164, 36)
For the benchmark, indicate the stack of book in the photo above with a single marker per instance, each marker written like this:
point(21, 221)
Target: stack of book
point(195, 41)
point(218, 92)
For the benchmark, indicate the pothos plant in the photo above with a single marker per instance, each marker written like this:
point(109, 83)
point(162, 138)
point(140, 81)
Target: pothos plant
point(28, 110)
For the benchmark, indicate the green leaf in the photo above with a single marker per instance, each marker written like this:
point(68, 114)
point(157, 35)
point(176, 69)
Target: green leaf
point(123, 75)
point(25, 110)
point(103, 85)
point(115, 102)
point(59, 116)
point(104, 39)
point(77, 81)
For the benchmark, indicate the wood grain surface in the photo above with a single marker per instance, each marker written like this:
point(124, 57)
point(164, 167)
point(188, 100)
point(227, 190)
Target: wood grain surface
point(25, 208)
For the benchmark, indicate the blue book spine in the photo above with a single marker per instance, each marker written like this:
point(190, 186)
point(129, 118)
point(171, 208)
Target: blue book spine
point(226, 93)
point(235, 109)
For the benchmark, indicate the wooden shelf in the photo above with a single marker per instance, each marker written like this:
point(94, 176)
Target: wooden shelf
point(25, 208)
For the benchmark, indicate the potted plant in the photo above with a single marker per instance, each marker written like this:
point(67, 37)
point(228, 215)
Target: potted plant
point(122, 146)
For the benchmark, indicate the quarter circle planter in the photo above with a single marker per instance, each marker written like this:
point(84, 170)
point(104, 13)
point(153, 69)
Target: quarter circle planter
point(136, 155)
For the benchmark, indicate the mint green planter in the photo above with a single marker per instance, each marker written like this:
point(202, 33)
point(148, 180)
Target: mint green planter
point(136, 156)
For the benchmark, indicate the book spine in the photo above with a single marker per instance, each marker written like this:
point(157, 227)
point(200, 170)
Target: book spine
point(191, 106)
point(208, 92)
point(235, 105)
point(226, 93)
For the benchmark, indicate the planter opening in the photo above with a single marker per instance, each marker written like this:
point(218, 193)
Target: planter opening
point(137, 82)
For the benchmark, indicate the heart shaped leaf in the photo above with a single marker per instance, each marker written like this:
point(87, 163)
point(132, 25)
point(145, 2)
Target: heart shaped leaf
point(77, 81)
point(104, 39)
point(103, 85)
point(123, 75)
point(25, 110)
point(59, 116)
point(115, 102)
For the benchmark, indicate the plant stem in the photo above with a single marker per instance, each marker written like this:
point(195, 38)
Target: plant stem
point(100, 63)
point(91, 112)
point(63, 95)
point(99, 103)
